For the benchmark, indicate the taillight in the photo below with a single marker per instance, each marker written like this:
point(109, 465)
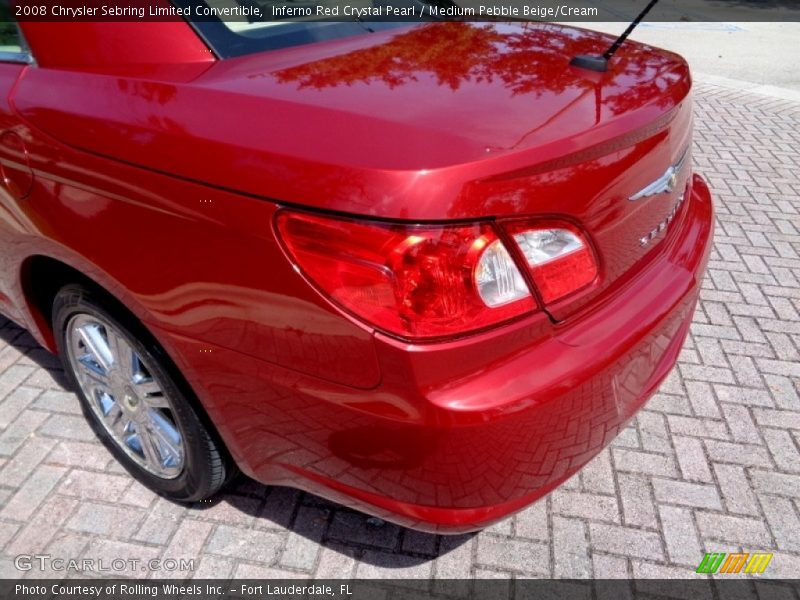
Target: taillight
point(419, 281)
point(558, 257)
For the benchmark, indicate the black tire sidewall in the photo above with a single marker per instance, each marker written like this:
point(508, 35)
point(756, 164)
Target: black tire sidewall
point(196, 480)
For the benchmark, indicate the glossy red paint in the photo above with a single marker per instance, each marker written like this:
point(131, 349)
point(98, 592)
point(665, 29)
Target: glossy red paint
point(159, 176)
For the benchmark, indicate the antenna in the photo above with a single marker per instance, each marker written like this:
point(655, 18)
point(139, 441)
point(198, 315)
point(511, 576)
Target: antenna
point(600, 63)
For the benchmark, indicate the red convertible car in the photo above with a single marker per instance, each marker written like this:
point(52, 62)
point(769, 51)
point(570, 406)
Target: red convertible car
point(425, 270)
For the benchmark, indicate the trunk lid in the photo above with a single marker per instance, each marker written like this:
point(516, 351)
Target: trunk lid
point(433, 122)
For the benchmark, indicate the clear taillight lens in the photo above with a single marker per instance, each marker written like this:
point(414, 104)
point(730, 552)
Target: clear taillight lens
point(417, 281)
point(497, 277)
point(559, 257)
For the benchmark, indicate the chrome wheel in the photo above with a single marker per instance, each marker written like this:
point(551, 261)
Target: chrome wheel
point(126, 398)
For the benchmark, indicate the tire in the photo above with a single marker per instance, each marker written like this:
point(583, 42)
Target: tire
point(136, 408)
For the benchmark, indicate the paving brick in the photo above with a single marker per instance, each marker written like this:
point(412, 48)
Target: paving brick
point(7, 531)
point(626, 541)
point(638, 507)
point(670, 404)
point(692, 459)
point(107, 521)
point(706, 374)
point(87, 455)
point(233, 510)
point(513, 554)
point(586, 506)
point(246, 544)
point(740, 395)
point(783, 449)
point(91, 485)
point(653, 431)
point(688, 494)
point(17, 469)
point(738, 530)
point(698, 427)
point(32, 493)
point(777, 418)
point(741, 454)
point(784, 391)
point(302, 544)
point(702, 398)
point(779, 367)
point(14, 402)
point(532, 522)
point(13, 376)
point(191, 536)
point(610, 567)
point(58, 401)
point(43, 526)
point(741, 424)
point(770, 482)
point(570, 549)
point(137, 494)
point(68, 427)
point(598, 475)
point(735, 489)
point(20, 430)
point(783, 521)
point(645, 463)
point(156, 529)
point(338, 561)
point(680, 535)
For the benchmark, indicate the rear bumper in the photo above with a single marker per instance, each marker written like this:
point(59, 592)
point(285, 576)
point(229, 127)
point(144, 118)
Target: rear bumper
point(459, 435)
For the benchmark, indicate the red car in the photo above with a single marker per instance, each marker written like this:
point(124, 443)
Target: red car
point(425, 270)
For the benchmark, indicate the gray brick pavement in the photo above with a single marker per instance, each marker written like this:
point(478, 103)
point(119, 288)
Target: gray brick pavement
point(710, 464)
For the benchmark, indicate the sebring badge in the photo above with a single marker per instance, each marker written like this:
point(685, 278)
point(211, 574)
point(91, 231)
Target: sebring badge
point(644, 240)
point(664, 184)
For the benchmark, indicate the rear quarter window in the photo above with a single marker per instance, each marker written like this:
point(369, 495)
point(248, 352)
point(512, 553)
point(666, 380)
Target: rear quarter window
point(12, 44)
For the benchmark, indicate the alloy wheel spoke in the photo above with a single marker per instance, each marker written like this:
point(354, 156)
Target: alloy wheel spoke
point(155, 401)
point(124, 356)
point(152, 455)
point(167, 435)
point(93, 374)
point(147, 386)
point(115, 418)
point(97, 346)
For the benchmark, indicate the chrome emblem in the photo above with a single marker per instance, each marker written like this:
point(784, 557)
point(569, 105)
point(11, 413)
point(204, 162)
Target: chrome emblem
point(644, 240)
point(664, 184)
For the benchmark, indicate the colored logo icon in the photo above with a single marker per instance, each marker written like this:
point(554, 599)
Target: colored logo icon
point(744, 562)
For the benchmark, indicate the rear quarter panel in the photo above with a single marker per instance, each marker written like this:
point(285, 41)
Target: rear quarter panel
point(182, 256)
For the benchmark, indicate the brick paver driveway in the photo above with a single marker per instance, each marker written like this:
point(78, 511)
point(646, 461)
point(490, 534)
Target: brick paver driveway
point(711, 464)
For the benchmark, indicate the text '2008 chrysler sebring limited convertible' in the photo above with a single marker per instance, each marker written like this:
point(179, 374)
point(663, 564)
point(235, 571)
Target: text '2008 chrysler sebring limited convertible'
point(426, 270)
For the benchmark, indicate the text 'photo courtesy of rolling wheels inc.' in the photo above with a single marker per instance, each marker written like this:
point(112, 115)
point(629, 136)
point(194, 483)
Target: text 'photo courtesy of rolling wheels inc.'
point(399, 299)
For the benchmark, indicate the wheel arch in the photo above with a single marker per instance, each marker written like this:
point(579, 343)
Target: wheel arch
point(41, 277)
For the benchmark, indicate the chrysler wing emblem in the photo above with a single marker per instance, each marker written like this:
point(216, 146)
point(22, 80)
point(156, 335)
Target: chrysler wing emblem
point(664, 184)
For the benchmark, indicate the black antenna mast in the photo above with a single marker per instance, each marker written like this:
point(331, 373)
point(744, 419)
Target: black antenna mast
point(600, 63)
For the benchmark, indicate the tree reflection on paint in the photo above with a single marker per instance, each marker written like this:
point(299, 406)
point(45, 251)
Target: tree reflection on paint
point(526, 59)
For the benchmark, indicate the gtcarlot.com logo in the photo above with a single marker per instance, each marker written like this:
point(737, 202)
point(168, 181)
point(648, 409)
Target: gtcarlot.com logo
point(736, 562)
point(47, 562)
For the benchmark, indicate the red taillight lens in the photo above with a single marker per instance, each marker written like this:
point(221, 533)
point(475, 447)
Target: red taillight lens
point(417, 281)
point(559, 257)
